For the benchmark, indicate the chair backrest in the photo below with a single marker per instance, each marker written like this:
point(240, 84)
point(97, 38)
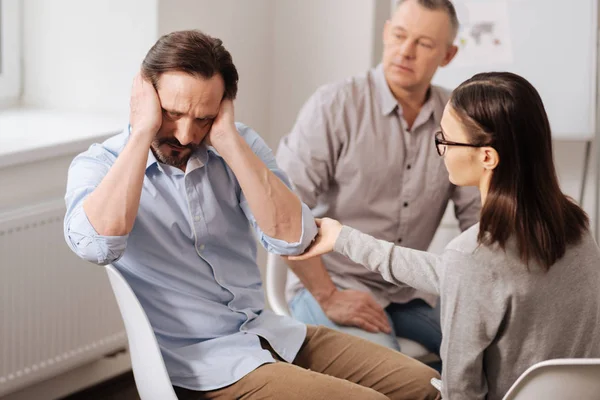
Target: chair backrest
point(276, 277)
point(560, 379)
point(149, 371)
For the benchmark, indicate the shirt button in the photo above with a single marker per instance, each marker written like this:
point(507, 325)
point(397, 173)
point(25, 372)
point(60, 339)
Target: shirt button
point(408, 166)
point(400, 240)
point(201, 247)
point(197, 218)
point(405, 204)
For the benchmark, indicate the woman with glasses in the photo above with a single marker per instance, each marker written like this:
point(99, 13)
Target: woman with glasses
point(523, 285)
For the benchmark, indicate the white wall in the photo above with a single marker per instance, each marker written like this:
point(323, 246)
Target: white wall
point(568, 158)
point(316, 42)
point(10, 52)
point(82, 55)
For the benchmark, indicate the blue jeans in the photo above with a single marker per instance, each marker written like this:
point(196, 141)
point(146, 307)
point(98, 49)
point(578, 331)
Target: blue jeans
point(415, 320)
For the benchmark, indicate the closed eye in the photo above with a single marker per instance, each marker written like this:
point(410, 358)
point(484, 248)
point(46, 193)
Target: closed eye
point(204, 121)
point(426, 44)
point(171, 114)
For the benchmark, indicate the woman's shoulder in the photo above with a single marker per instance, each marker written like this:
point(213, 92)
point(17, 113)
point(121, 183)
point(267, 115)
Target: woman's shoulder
point(465, 255)
point(466, 242)
point(584, 251)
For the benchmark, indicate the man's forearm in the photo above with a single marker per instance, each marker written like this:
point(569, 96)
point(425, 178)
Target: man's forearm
point(314, 277)
point(277, 210)
point(112, 207)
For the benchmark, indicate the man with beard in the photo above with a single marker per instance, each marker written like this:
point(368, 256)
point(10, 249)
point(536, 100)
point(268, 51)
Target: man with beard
point(172, 202)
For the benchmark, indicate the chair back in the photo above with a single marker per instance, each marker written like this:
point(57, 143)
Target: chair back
point(276, 278)
point(149, 371)
point(559, 379)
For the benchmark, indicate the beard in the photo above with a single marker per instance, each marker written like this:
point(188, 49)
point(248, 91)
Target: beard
point(167, 155)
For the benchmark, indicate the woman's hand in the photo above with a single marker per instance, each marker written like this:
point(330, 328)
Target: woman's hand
point(329, 230)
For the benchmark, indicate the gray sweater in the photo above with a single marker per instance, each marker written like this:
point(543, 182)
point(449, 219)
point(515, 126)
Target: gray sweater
point(497, 317)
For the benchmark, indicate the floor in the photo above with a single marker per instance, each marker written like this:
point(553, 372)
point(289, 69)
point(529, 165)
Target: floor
point(119, 388)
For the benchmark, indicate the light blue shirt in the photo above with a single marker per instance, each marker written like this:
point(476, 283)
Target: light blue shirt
point(191, 261)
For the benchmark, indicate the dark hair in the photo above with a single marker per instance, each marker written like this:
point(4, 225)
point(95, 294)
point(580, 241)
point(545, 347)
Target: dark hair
point(192, 52)
point(504, 111)
point(434, 5)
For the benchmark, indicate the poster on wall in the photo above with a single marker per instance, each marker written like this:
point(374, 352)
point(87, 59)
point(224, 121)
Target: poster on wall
point(484, 34)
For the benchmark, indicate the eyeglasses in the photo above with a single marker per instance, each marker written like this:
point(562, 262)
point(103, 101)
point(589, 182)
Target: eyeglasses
point(442, 144)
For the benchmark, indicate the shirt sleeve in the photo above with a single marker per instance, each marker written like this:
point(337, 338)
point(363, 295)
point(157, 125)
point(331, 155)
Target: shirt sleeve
point(85, 173)
point(472, 311)
point(309, 153)
point(309, 228)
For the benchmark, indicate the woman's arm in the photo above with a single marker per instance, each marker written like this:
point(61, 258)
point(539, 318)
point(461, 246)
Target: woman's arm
point(474, 307)
point(397, 265)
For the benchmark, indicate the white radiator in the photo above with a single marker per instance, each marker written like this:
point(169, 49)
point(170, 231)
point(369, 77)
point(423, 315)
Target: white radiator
point(57, 312)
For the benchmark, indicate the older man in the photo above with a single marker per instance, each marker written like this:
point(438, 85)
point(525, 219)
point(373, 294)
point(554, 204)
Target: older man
point(362, 151)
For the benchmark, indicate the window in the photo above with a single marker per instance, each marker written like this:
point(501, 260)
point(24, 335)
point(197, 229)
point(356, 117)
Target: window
point(10, 51)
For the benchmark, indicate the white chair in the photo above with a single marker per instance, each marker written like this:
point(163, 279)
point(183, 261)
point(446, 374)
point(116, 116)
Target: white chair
point(560, 379)
point(149, 371)
point(276, 278)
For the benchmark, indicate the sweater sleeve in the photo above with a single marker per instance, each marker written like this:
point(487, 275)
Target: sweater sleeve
point(397, 265)
point(473, 309)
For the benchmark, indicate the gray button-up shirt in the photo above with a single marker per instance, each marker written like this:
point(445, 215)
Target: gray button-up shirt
point(350, 156)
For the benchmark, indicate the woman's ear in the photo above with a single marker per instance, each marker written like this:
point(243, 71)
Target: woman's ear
point(489, 158)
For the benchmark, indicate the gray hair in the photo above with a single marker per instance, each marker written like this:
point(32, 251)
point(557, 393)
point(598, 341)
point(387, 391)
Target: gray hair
point(434, 5)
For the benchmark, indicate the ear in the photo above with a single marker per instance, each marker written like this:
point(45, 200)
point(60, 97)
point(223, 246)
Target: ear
point(450, 54)
point(489, 158)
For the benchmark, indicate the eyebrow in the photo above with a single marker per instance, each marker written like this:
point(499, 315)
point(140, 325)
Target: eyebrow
point(401, 29)
point(172, 111)
point(202, 117)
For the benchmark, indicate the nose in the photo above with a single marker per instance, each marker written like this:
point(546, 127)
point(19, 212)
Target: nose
point(185, 131)
point(408, 49)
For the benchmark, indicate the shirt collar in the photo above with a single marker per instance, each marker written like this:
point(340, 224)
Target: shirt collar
point(428, 107)
point(198, 159)
point(151, 160)
point(388, 103)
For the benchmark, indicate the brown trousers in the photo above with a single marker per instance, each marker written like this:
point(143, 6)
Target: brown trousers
point(331, 365)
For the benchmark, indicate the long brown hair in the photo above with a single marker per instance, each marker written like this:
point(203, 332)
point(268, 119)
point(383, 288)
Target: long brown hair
point(504, 111)
point(195, 53)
